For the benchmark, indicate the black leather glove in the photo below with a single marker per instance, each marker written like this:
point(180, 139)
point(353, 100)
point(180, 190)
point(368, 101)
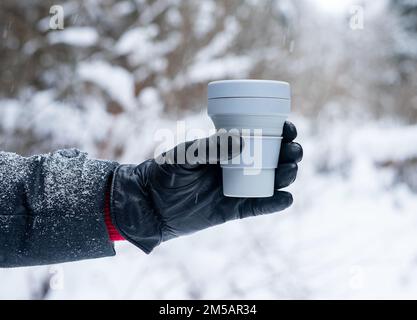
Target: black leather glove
point(152, 202)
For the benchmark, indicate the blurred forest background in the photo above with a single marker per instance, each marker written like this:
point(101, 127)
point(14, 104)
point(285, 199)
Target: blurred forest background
point(174, 48)
point(119, 70)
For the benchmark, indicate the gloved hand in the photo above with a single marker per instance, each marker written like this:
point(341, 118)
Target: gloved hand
point(154, 202)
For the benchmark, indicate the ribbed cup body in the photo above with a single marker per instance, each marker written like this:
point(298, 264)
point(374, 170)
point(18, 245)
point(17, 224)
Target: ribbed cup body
point(254, 108)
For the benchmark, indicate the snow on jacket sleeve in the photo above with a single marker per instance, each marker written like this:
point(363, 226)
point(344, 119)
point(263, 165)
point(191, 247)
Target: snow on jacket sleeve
point(52, 208)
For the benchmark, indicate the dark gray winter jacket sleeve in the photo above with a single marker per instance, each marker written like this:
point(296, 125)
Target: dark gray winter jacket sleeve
point(52, 208)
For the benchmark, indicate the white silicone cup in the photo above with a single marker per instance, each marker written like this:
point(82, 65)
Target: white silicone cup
point(236, 183)
point(251, 104)
point(252, 179)
point(257, 152)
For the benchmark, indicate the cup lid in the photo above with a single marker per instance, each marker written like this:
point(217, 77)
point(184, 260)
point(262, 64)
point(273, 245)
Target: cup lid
point(249, 88)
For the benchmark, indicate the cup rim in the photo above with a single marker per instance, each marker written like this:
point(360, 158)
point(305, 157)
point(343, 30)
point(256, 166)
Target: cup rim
point(252, 88)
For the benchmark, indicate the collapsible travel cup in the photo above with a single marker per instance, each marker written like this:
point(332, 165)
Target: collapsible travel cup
point(258, 109)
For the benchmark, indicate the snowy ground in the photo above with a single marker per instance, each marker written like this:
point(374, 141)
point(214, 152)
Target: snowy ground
point(351, 233)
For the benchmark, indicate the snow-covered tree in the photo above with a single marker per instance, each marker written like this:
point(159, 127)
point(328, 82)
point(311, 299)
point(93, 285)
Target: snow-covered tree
point(120, 61)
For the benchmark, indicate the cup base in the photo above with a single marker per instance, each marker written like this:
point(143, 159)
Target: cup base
point(248, 182)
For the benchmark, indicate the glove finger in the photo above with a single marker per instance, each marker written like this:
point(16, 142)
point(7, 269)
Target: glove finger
point(290, 152)
point(285, 175)
point(259, 206)
point(223, 146)
point(289, 132)
point(211, 150)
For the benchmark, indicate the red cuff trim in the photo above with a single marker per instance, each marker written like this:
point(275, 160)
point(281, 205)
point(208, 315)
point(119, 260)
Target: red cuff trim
point(111, 229)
